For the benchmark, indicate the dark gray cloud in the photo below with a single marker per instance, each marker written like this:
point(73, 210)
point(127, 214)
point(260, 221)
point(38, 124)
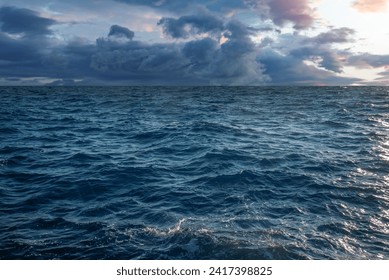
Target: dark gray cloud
point(324, 57)
point(200, 52)
point(383, 78)
point(185, 26)
point(136, 60)
point(233, 62)
point(206, 23)
point(36, 56)
point(21, 55)
point(198, 61)
point(164, 4)
point(317, 49)
point(179, 6)
point(238, 61)
point(24, 21)
point(214, 50)
point(121, 32)
point(367, 60)
point(16, 50)
point(336, 35)
point(70, 61)
point(291, 70)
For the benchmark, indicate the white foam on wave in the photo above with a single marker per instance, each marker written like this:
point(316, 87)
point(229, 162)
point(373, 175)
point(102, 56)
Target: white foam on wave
point(176, 229)
point(163, 232)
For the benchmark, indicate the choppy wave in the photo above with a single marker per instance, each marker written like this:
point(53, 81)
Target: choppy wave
point(194, 173)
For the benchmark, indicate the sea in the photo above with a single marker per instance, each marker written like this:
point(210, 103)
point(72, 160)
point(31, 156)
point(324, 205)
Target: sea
point(194, 173)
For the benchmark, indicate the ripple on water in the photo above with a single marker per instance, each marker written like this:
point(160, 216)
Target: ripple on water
point(194, 173)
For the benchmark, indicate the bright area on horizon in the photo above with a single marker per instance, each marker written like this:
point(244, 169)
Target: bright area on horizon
point(194, 42)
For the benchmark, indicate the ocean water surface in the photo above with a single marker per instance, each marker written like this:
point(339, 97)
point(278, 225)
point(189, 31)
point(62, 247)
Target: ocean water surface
point(194, 173)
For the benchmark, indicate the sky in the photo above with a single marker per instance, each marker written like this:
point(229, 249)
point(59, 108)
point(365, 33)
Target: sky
point(194, 42)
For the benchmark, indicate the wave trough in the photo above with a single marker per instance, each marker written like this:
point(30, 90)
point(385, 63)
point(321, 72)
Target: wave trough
point(194, 173)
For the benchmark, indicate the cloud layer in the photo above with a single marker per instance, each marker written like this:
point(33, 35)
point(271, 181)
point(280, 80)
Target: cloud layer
point(24, 22)
point(202, 43)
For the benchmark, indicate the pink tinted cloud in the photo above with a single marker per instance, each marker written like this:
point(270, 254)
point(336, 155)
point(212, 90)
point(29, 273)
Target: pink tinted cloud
point(370, 6)
point(298, 12)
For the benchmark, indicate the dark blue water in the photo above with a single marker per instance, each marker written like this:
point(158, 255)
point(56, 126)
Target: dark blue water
point(194, 173)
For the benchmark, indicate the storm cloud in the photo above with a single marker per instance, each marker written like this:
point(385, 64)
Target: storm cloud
point(199, 61)
point(185, 26)
point(240, 42)
point(367, 60)
point(24, 22)
point(284, 69)
point(336, 35)
point(178, 6)
point(121, 32)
